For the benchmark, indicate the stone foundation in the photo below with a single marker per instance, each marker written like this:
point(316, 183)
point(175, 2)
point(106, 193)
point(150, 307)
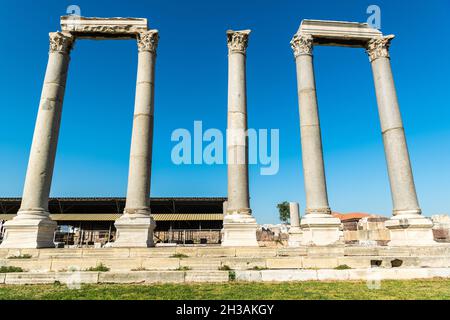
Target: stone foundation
point(23, 232)
point(295, 237)
point(410, 230)
point(134, 230)
point(239, 230)
point(205, 264)
point(321, 230)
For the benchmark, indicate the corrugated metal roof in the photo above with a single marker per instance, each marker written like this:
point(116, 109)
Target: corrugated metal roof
point(7, 216)
point(85, 217)
point(188, 216)
point(114, 216)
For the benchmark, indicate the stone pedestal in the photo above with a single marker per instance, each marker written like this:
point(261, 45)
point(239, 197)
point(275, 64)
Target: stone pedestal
point(319, 226)
point(135, 230)
point(135, 227)
point(29, 232)
point(320, 230)
point(407, 226)
point(32, 227)
point(295, 237)
point(410, 230)
point(239, 230)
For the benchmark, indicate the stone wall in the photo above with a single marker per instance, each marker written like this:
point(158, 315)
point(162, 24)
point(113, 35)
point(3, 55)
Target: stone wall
point(366, 231)
point(441, 227)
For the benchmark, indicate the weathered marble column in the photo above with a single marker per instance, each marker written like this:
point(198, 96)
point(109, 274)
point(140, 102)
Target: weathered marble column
point(407, 226)
point(319, 226)
point(295, 232)
point(239, 226)
point(135, 227)
point(32, 227)
point(294, 214)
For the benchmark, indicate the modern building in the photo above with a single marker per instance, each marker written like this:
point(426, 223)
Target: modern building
point(90, 221)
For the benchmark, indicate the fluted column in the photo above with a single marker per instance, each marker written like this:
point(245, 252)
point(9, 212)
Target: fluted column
point(135, 227)
point(32, 227)
point(239, 225)
point(407, 226)
point(318, 213)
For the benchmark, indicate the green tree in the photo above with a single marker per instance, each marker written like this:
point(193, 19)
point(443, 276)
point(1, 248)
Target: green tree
point(283, 209)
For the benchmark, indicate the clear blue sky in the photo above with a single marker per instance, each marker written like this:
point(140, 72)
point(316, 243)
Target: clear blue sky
point(191, 84)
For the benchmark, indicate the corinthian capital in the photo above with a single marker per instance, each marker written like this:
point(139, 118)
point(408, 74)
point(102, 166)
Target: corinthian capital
point(379, 47)
point(61, 42)
point(237, 41)
point(148, 41)
point(302, 44)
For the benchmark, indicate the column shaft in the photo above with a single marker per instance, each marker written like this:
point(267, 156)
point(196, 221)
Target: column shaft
point(45, 139)
point(294, 214)
point(311, 140)
point(138, 193)
point(135, 227)
point(401, 180)
point(32, 227)
point(237, 148)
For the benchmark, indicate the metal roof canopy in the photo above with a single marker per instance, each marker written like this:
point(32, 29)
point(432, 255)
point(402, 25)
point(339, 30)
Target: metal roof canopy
point(78, 199)
point(115, 216)
point(117, 205)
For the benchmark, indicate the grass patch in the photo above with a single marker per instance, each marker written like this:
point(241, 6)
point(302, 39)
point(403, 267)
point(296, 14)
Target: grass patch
point(22, 256)
point(179, 255)
point(348, 290)
point(224, 268)
point(140, 269)
point(342, 267)
point(232, 276)
point(9, 269)
point(256, 268)
point(99, 268)
point(183, 268)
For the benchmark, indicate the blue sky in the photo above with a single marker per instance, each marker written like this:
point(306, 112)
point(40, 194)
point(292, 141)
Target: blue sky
point(191, 84)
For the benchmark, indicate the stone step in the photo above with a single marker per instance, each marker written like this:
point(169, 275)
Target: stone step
point(58, 264)
point(220, 252)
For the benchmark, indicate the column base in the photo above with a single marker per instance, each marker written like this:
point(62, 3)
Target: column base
point(28, 231)
point(295, 237)
point(239, 230)
point(321, 230)
point(134, 231)
point(410, 230)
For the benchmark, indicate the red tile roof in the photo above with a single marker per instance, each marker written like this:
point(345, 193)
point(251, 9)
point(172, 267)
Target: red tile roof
point(350, 216)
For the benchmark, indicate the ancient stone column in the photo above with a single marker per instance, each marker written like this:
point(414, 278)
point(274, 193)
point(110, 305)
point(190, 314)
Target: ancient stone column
point(32, 227)
point(135, 227)
point(407, 226)
point(318, 225)
point(294, 213)
point(239, 225)
point(295, 232)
